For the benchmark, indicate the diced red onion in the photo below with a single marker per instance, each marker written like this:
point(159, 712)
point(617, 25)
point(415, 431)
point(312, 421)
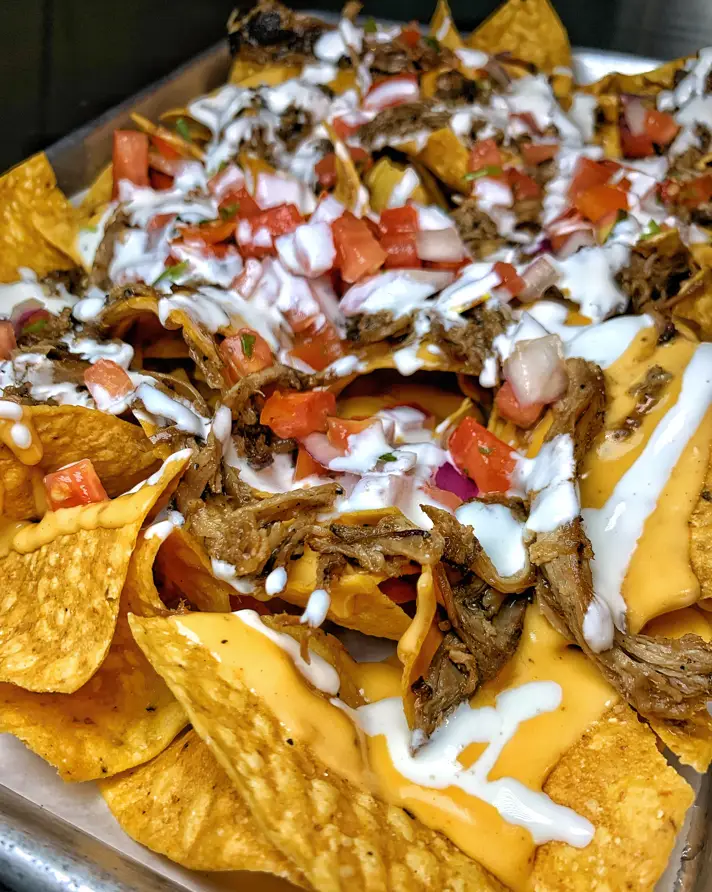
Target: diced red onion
point(448, 477)
point(442, 245)
point(536, 370)
point(538, 276)
point(635, 114)
point(320, 449)
point(581, 238)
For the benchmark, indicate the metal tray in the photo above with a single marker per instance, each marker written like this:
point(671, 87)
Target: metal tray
point(56, 838)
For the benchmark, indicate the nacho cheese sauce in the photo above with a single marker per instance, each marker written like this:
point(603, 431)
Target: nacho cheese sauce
point(479, 780)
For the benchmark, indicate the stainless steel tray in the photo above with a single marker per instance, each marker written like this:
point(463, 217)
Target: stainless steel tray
point(55, 839)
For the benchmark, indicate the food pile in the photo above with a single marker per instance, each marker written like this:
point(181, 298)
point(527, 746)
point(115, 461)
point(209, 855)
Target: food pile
point(355, 467)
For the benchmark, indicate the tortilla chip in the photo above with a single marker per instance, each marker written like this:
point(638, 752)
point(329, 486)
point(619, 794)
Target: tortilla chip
point(616, 777)
point(383, 178)
point(701, 537)
point(529, 30)
point(443, 29)
point(447, 158)
point(182, 805)
point(29, 193)
point(696, 309)
point(608, 133)
point(356, 600)
point(417, 647)
point(197, 130)
point(331, 829)
point(348, 189)
point(123, 716)
point(120, 452)
point(186, 148)
point(648, 83)
point(98, 195)
point(248, 74)
point(183, 562)
point(74, 563)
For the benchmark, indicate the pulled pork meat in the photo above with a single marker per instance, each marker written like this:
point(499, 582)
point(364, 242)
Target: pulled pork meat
point(46, 334)
point(470, 344)
point(648, 394)
point(371, 328)
point(271, 32)
point(398, 123)
point(661, 678)
point(454, 87)
point(485, 633)
point(477, 229)
point(656, 272)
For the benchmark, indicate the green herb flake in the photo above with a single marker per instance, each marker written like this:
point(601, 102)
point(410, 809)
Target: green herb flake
point(387, 456)
point(652, 229)
point(229, 211)
point(433, 43)
point(35, 327)
point(485, 450)
point(183, 129)
point(370, 27)
point(171, 273)
point(248, 344)
point(490, 171)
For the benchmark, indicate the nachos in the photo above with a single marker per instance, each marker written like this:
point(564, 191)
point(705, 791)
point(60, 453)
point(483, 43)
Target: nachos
point(355, 460)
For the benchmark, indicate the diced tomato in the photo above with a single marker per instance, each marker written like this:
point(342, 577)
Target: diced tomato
point(538, 153)
point(528, 119)
point(638, 145)
point(7, 339)
point(306, 466)
point(410, 35)
point(279, 221)
point(395, 221)
point(661, 127)
point(244, 353)
point(340, 429)
point(164, 147)
point(598, 201)
point(343, 129)
point(318, 348)
point(523, 187)
point(325, 171)
point(590, 173)
point(357, 251)
point(227, 183)
point(509, 407)
point(130, 158)
point(159, 221)
point(482, 456)
point(75, 484)
point(209, 233)
point(293, 414)
point(450, 499)
point(400, 589)
point(511, 280)
point(688, 193)
point(160, 181)
point(106, 377)
point(245, 205)
point(360, 157)
point(484, 153)
point(402, 251)
point(452, 266)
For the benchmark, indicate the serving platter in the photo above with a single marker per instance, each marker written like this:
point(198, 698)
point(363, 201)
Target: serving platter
point(56, 837)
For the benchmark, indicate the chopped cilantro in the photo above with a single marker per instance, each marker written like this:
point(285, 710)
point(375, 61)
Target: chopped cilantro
point(490, 171)
point(433, 43)
point(652, 229)
point(248, 344)
point(485, 450)
point(370, 27)
point(34, 327)
point(183, 129)
point(229, 210)
point(387, 456)
point(171, 273)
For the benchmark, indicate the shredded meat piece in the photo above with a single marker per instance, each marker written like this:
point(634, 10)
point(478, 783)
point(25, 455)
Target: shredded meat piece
point(477, 229)
point(294, 126)
point(659, 677)
point(528, 214)
point(654, 276)
point(452, 86)
point(452, 678)
point(581, 410)
point(648, 394)
point(271, 32)
point(470, 344)
point(202, 471)
point(370, 328)
point(460, 544)
point(394, 124)
point(99, 275)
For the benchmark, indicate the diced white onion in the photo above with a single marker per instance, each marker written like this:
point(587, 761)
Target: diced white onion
point(320, 449)
point(536, 370)
point(635, 116)
point(581, 238)
point(443, 245)
point(539, 276)
point(393, 91)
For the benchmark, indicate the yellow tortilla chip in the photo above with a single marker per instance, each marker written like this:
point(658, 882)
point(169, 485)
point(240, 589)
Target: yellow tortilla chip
point(616, 777)
point(417, 647)
point(443, 29)
point(98, 195)
point(183, 562)
point(384, 177)
point(73, 563)
point(182, 805)
point(328, 827)
point(120, 452)
point(696, 309)
point(646, 83)
point(356, 600)
point(123, 716)
point(348, 190)
point(529, 30)
point(186, 148)
point(608, 133)
point(29, 193)
point(447, 158)
point(248, 74)
point(197, 130)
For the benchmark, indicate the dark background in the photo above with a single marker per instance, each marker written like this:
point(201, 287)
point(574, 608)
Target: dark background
point(62, 62)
